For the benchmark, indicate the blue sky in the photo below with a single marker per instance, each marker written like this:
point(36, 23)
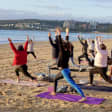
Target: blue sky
point(100, 10)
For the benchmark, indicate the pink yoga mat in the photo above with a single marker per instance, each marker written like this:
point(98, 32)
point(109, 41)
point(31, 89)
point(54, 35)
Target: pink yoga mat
point(71, 98)
point(23, 83)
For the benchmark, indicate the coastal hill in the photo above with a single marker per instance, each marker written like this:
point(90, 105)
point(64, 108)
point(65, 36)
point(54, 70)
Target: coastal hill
point(36, 24)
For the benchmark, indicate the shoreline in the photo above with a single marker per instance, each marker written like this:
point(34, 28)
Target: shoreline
point(45, 41)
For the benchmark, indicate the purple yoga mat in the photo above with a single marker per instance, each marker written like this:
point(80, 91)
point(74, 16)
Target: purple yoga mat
point(71, 98)
point(23, 83)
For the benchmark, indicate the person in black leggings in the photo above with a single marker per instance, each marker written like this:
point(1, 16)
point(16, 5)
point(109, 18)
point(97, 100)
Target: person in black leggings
point(24, 70)
point(84, 51)
point(100, 64)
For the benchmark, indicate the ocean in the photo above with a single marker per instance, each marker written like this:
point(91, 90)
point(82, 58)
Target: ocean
point(20, 36)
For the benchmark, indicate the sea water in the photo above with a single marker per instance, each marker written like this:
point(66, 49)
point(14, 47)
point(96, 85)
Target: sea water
point(20, 35)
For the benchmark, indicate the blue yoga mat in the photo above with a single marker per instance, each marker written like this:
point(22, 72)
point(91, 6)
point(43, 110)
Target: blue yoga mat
point(71, 98)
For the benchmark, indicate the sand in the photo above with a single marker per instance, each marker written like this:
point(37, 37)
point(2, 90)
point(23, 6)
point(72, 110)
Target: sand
point(14, 98)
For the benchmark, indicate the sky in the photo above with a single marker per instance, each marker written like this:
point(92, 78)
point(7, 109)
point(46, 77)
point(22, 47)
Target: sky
point(85, 10)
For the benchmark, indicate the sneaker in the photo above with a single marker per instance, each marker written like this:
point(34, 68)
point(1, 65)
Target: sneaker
point(77, 66)
point(90, 67)
point(80, 69)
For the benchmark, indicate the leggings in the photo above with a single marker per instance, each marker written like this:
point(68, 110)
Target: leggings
point(65, 73)
point(73, 63)
point(23, 69)
point(32, 54)
point(102, 71)
point(87, 58)
point(92, 52)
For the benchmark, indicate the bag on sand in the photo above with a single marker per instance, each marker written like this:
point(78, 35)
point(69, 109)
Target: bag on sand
point(42, 76)
point(62, 89)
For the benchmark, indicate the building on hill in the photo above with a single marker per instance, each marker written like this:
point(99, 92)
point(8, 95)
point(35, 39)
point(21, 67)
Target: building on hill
point(70, 24)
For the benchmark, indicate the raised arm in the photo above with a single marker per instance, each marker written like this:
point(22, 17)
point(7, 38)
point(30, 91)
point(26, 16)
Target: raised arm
point(67, 34)
point(50, 39)
point(97, 45)
point(60, 40)
point(12, 46)
point(26, 43)
point(100, 40)
point(88, 41)
point(56, 37)
point(80, 40)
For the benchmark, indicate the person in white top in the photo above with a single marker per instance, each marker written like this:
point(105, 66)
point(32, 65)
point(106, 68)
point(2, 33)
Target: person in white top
point(31, 49)
point(91, 47)
point(100, 62)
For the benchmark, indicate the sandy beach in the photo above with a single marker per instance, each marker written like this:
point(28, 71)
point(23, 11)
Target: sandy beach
point(16, 98)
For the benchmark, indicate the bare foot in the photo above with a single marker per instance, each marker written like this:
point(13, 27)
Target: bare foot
point(53, 93)
point(34, 80)
point(18, 80)
point(59, 68)
point(91, 84)
point(82, 99)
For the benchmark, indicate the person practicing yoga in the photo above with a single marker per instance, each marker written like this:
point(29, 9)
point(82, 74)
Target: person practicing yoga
point(100, 62)
point(55, 48)
point(91, 47)
point(84, 51)
point(20, 59)
point(63, 59)
point(31, 48)
point(70, 47)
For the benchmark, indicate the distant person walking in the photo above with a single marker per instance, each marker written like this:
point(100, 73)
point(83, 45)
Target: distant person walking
point(20, 59)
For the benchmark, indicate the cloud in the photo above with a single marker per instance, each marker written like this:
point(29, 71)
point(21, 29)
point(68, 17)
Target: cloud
point(17, 14)
point(50, 7)
point(103, 3)
point(6, 14)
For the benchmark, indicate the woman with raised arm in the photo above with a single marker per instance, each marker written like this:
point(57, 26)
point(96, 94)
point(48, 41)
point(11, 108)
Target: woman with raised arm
point(55, 49)
point(20, 59)
point(84, 51)
point(100, 62)
point(63, 59)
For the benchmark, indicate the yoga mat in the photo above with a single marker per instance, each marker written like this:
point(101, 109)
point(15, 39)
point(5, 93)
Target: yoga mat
point(71, 98)
point(23, 83)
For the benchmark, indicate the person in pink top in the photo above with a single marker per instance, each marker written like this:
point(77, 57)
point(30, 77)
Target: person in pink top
point(100, 61)
point(20, 59)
